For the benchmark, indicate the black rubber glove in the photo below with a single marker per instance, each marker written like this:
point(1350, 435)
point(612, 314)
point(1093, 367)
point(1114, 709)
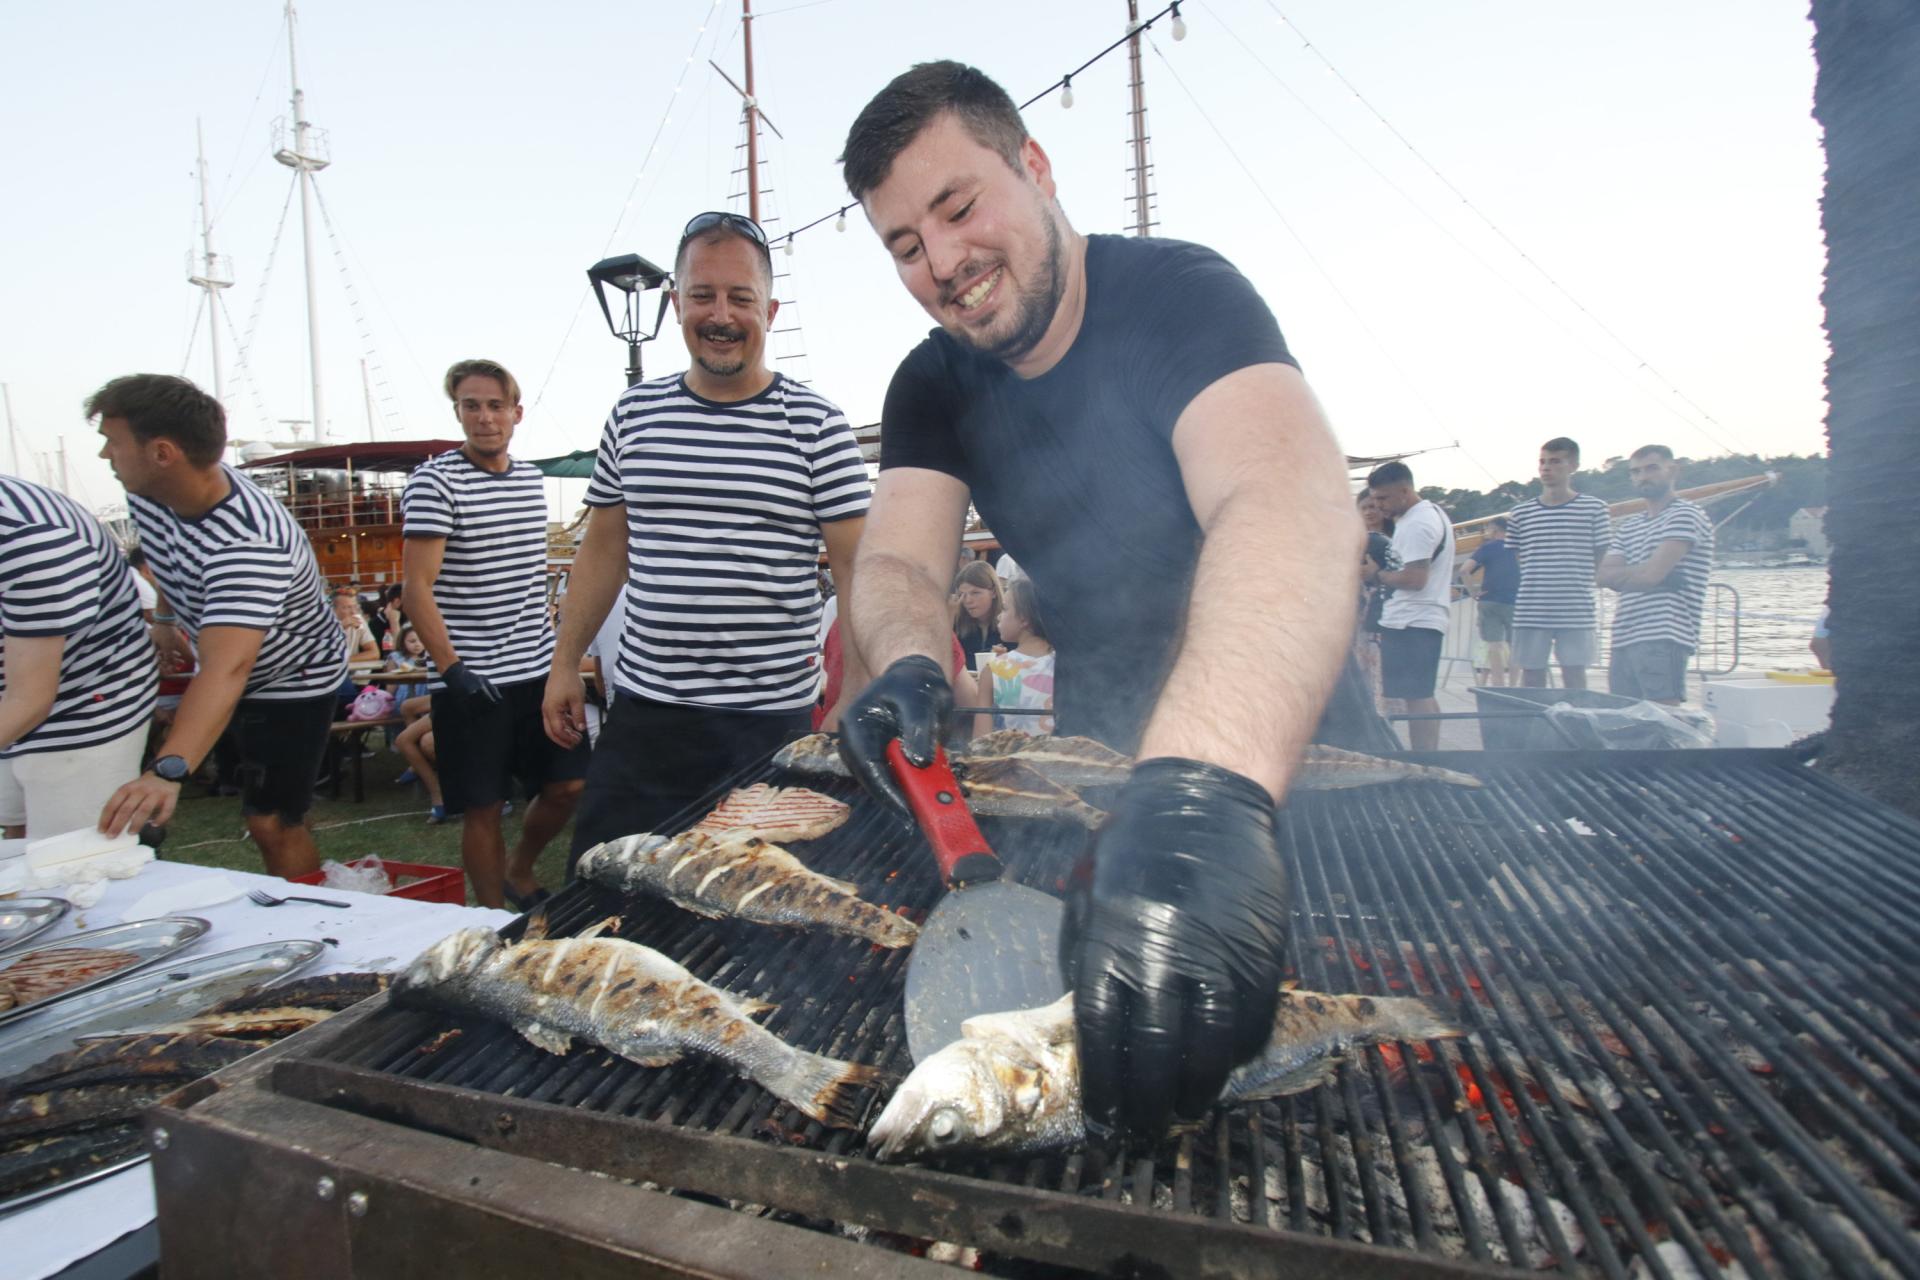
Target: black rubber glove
point(1173, 943)
point(912, 701)
point(470, 684)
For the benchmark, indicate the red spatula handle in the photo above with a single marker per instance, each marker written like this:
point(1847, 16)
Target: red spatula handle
point(933, 793)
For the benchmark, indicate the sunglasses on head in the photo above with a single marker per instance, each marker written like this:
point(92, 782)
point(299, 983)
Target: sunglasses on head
point(737, 223)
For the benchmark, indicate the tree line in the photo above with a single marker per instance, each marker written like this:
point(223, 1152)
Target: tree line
point(1802, 483)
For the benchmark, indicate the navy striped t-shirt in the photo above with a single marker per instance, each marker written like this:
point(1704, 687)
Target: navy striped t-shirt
point(724, 507)
point(61, 575)
point(247, 563)
point(1559, 547)
point(492, 588)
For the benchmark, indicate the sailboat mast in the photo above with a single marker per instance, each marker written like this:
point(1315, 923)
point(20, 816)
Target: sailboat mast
point(304, 159)
point(13, 432)
point(1142, 219)
point(753, 115)
point(212, 275)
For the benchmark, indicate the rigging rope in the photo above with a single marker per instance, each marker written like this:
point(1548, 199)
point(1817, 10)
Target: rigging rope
point(245, 369)
point(245, 345)
point(376, 368)
point(198, 311)
point(626, 205)
point(273, 57)
point(1639, 360)
point(1412, 386)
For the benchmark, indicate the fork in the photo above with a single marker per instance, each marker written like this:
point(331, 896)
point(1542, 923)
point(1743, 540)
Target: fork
point(261, 897)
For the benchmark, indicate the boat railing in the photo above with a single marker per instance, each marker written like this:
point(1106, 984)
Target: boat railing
point(1718, 652)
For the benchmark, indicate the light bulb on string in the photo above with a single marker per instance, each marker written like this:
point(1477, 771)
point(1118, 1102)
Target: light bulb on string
point(1066, 93)
point(840, 223)
point(1179, 24)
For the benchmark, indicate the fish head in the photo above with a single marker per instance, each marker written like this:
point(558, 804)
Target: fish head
point(613, 852)
point(973, 1095)
point(459, 952)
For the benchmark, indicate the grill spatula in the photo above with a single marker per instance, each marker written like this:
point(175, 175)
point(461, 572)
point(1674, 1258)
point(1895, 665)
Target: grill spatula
point(989, 945)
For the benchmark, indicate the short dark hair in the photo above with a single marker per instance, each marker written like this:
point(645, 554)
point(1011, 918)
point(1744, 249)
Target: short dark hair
point(1563, 444)
point(136, 558)
point(714, 235)
point(159, 406)
point(461, 370)
point(1500, 523)
point(1666, 454)
point(1390, 473)
point(912, 100)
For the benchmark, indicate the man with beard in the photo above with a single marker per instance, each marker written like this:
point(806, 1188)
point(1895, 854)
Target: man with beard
point(1659, 563)
point(710, 498)
point(1125, 415)
point(474, 569)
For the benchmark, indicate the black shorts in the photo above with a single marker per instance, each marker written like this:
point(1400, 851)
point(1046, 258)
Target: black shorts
point(1409, 661)
point(656, 760)
point(280, 746)
point(481, 747)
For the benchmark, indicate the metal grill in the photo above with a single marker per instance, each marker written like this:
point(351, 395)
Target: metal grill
point(1690, 978)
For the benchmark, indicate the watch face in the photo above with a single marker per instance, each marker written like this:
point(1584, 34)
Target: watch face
point(172, 768)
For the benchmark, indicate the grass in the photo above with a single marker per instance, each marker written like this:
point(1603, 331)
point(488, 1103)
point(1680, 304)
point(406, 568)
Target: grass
point(207, 831)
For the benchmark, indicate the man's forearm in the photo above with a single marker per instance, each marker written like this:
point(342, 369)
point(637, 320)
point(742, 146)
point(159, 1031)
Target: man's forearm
point(1268, 625)
point(898, 612)
point(423, 611)
point(205, 709)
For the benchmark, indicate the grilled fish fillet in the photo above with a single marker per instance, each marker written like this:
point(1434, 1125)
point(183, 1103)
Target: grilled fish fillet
point(996, 786)
point(1071, 762)
point(746, 878)
point(1330, 768)
point(775, 813)
point(631, 1000)
point(1011, 1083)
point(335, 991)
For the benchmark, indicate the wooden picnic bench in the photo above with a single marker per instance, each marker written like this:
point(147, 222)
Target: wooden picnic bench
point(345, 741)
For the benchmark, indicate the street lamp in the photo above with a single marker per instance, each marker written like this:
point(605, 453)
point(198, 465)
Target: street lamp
point(632, 275)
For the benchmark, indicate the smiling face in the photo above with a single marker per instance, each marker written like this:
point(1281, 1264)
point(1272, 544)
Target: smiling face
point(725, 306)
point(977, 243)
point(486, 415)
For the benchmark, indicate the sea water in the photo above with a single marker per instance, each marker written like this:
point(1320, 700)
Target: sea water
point(1778, 609)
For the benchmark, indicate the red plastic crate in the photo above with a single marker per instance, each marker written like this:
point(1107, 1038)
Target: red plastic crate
point(420, 881)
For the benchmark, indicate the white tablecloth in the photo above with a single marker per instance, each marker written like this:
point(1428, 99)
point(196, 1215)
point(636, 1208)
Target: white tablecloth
point(374, 933)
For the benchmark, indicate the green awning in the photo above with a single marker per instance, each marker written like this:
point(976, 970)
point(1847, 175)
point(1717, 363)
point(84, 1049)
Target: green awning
point(577, 465)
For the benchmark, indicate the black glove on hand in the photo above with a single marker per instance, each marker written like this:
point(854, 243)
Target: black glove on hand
point(1173, 943)
point(470, 684)
point(912, 701)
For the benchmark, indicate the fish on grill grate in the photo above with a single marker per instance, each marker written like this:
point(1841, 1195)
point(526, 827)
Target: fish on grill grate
point(141, 1056)
point(250, 1024)
point(774, 813)
point(335, 991)
point(746, 878)
point(996, 786)
point(1331, 769)
point(1071, 762)
point(628, 999)
point(1011, 1083)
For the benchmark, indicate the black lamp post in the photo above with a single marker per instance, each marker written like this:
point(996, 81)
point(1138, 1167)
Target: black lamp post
point(632, 275)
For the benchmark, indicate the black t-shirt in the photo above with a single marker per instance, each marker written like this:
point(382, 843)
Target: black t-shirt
point(1074, 470)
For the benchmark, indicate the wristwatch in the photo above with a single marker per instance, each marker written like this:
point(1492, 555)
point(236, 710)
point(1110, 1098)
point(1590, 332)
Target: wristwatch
point(171, 768)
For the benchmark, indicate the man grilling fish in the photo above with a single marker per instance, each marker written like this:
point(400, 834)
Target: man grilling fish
point(1126, 416)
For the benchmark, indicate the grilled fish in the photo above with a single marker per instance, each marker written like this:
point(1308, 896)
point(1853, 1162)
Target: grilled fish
point(1330, 769)
point(143, 1056)
point(774, 813)
point(250, 1024)
point(56, 1157)
point(1071, 762)
point(746, 878)
point(86, 1107)
point(1011, 1083)
point(333, 991)
point(996, 786)
point(628, 999)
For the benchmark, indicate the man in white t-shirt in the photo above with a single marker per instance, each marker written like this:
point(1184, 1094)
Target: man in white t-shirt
point(1414, 621)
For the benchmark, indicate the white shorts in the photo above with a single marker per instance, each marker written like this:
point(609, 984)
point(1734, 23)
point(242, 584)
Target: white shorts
point(55, 791)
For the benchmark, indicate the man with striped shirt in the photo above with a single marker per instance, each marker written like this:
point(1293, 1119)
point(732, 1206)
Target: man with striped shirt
point(1659, 562)
point(474, 569)
point(711, 496)
point(1559, 538)
point(237, 574)
point(78, 683)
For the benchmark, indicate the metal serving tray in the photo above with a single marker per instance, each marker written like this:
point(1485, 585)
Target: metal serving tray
point(149, 940)
point(23, 919)
point(153, 998)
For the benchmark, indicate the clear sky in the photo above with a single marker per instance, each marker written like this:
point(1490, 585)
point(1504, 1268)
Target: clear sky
point(1659, 161)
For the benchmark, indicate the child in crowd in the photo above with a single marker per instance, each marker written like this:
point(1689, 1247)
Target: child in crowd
point(410, 655)
point(1020, 672)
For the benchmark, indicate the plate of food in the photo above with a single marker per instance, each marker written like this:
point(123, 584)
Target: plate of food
point(32, 979)
point(23, 919)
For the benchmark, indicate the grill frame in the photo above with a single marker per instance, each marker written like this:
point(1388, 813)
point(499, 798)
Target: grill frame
point(1545, 1147)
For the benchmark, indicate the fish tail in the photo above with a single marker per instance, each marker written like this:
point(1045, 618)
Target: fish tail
point(826, 1088)
point(888, 929)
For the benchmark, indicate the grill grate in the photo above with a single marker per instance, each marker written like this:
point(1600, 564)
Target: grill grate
point(1690, 976)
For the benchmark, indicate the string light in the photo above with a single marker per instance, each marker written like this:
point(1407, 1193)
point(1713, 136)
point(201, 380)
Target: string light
point(1064, 84)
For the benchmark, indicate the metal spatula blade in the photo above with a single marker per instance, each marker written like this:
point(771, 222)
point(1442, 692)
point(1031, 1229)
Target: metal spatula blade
point(990, 945)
